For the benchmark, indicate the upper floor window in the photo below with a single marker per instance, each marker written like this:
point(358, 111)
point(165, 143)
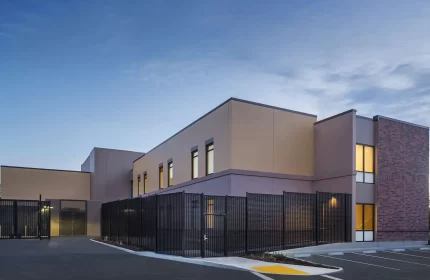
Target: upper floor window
point(209, 159)
point(160, 177)
point(170, 174)
point(194, 165)
point(364, 162)
point(138, 185)
point(145, 182)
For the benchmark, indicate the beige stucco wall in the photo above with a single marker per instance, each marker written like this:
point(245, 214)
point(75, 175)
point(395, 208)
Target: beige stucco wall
point(214, 125)
point(271, 140)
point(29, 183)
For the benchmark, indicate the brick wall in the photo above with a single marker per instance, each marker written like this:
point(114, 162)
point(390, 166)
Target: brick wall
point(402, 181)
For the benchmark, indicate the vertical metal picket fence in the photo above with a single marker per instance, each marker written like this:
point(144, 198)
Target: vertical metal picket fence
point(198, 225)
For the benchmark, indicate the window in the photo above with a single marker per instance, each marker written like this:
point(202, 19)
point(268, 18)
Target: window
point(364, 222)
point(364, 162)
point(160, 177)
point(170, 174)
point(194, 165)
point(138, 185)
point(145, 182)
point(209, 159)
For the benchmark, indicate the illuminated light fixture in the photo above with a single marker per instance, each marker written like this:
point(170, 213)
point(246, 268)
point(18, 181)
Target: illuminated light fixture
point(333, 202)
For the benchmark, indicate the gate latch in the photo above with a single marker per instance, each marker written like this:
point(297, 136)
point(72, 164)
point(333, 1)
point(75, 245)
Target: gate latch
point(205, 238)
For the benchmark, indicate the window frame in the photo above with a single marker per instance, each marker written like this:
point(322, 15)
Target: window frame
point(169, 169)
point(160, 177)
point(364, 164)
point(192, 164)
point(207, 160)
point(138, 184)
point(364, 221)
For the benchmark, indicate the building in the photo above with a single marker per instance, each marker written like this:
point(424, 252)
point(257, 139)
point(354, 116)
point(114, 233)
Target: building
point(75, 196)
point(243, 147)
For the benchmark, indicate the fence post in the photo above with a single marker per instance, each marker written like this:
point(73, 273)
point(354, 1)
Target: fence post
point(346, 216)
point(15, 219)
point(110, 219)
point(202, 225)
point(128, 220)
point(118, 238)
point(156, 223)
point(39, 218)
point(283, 220)
point(246, 224)
point(183, 223)
point(316, 219)
point(225, 227)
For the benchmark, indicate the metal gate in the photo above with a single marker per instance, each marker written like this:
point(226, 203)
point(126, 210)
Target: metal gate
point(214, 226)
point(25, 219)
point(73, 218)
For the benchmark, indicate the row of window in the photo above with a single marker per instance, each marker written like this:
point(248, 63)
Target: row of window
point(194, 170)
point(364, 162)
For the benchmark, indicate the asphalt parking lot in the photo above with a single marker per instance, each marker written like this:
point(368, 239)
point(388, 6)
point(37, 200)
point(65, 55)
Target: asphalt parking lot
point(79, 258)
point(412, 264)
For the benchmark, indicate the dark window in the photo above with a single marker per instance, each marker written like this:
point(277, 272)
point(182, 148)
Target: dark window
point(138, 185)
point(194, 165)
point(209, 159)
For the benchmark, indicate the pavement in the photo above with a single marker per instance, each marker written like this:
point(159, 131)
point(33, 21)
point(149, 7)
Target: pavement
point(79, 258)
point(410, 264)
point(352, 247)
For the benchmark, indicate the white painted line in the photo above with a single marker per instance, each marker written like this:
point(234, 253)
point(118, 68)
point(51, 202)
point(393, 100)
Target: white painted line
point(391, 259)
point(331, 277)
point(261, 275)
point(359, 262)
point(369, 252)
point(113, 246)
point(425, 249)
point(335, 254)
point(302, 255)
point(408, 255)
point(398, 250)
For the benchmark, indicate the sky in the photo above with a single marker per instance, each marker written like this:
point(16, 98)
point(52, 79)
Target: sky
point(129, 74)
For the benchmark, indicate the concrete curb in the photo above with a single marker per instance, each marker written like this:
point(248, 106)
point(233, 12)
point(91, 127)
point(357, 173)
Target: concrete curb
point(201, 261)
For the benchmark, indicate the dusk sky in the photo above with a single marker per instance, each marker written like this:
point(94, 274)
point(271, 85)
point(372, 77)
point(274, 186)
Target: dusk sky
point(128, 74)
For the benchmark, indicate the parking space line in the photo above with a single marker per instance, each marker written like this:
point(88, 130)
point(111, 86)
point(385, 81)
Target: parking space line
point(370, 256)
point(359, 262)
point(262, 276)
point(407, 255)
point(331, 277)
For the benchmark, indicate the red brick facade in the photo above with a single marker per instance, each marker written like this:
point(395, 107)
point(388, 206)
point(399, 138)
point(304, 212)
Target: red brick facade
point(402, 181)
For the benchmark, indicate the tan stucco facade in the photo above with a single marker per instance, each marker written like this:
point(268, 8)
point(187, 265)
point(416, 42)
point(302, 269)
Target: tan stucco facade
point(29, 183)
point(246, 136)
point(271, 140)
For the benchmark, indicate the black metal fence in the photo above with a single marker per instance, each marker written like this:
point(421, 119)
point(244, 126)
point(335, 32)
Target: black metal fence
point(25, 219)
point(194, 225)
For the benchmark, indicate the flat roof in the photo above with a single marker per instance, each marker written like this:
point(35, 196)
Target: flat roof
point(46, 169)
point(222, 104)
point(375, 118)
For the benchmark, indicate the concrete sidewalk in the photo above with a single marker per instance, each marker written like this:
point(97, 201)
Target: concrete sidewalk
point(238, 263)
point(351, 247)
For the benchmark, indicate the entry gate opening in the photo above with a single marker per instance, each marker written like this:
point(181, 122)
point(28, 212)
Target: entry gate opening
point(73, 218)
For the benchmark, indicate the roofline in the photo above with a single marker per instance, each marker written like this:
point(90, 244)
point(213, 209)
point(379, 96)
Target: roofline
point(335, 116)
point(219, 106)
point(99, 148)
point(272, 107)
point(364, 118)
point(377, 117)
point(46, 169)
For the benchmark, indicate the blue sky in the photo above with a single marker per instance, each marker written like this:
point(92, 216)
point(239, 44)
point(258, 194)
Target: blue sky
point(129, 74)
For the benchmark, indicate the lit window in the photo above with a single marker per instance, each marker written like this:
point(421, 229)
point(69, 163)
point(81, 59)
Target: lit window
point(209, 159)
point(170, 171)
point(145, 182)
point(160, 177)
point(364, 222)
point(138, 185)
point(364, 162)
point(194, 165)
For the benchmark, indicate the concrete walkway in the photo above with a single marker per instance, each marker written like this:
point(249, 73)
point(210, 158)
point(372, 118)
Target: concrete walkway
point(238, 263)
point(338, 248)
